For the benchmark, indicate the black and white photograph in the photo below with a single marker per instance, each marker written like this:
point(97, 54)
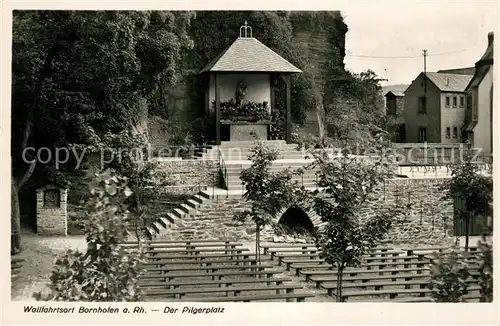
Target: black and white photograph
point(312, 156)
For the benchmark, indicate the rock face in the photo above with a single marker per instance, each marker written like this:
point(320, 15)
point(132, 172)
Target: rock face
point(420, 221)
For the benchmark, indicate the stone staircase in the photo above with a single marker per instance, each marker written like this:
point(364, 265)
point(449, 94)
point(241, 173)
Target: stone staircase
point(234, 157)
point(165, 220)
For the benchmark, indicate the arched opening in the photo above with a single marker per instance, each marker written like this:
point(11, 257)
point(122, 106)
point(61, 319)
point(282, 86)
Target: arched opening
point(295, 221)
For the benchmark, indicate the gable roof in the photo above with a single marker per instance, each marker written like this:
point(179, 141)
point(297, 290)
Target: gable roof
point(395, 89)
point(247, 54)
point(449, 82)
point(395, 93)
point(458, 71)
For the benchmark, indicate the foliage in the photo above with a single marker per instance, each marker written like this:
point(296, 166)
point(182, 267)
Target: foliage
point(354, 110)
point(486, 271)
point(449, 274)
point(128, 153)
point(468, 187)
point(345, 184)
point(267, 191)
point(107, 271)
point(75, 70)
point(230, 110)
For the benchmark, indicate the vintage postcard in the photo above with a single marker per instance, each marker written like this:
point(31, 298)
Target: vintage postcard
point(180, 163)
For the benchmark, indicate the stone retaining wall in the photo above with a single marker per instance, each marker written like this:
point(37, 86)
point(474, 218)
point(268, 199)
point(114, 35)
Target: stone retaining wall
point(420, 221)
point(190, 175)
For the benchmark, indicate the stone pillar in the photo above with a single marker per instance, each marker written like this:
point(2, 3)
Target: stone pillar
point(52, 210)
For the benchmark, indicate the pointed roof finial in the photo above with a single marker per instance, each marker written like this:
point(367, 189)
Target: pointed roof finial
point(245, 29)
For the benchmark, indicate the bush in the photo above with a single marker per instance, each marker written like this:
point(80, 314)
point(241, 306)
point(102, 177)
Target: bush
point(448, 277)
point(107, 271)
point(486, 271)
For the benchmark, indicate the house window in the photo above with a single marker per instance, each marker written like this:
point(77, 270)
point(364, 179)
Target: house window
point(422, 105)
point(422, 134)
point(455, 132)
point(462, 101)
point(448, 133)
point(455, 101)
point(447, 101)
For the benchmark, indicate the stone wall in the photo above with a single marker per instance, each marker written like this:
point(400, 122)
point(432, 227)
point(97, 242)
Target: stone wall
point(52, 220)
point(189, 175)
point(420, 220)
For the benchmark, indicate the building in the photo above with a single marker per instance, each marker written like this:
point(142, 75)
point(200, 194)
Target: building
point(434, 108)
point(394, 101)
point(478, 126)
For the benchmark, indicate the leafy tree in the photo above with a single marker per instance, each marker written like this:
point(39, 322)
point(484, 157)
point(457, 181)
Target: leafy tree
point(75, 71)
point(470, 190)
point(449, 274)
point(267, 191)
point(345, 185)
point(107, 271)
point(354, 109)
point(486, 271)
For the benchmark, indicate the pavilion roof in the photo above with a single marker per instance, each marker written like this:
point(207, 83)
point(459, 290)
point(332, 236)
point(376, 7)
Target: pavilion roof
point(247, 54)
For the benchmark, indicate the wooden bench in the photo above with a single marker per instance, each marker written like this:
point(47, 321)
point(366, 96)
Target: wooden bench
point(406, 262)
point(206, 262)
point(367, 278)
point(331, 287)
point(197, 251)
point(266, 248)
point(393, 293)
point(187, 246)
point(208, 269)
point(224, 282)
point(214, 276)
point(288, 262)
point(299, 297)
point(355, 272)
point(275, 252)
point(422, 250)
point(200, 257)
point(234, 290)
point(281, 256)
point(177, 242)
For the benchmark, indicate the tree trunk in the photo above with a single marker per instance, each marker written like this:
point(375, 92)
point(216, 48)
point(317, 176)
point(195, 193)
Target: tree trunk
point(15, 220)
point(467, 231)
point(340, 271)
point(257, 243)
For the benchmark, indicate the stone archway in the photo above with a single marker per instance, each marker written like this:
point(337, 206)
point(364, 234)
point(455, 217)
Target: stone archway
point(309, 219)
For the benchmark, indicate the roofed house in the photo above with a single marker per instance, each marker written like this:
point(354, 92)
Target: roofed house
point(394, 101)
point(478, 126)
point(434, 107)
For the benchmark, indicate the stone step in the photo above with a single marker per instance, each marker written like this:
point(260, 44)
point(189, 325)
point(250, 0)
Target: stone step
point(178, 212)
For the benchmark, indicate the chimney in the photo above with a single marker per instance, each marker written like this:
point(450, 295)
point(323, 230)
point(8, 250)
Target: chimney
point(490, 38)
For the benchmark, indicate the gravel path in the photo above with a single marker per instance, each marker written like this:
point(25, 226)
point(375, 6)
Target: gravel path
point(39, 254)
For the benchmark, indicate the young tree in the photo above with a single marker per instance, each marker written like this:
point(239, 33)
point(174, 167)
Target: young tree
point(129, 153)
point(267, 191)
point(345, 184)
point(471, 191)
point(107, 271)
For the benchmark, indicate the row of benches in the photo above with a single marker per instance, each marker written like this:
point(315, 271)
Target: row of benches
point(212, 271)
point(385, 272)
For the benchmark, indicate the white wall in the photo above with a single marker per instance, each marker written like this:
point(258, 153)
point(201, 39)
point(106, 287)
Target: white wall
point(452, 117)
point(258, 87)
point(482, 131)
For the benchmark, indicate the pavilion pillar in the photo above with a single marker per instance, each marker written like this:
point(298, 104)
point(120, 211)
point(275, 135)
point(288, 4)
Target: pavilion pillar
point(288, 118)
point(273, 99)
point(217, 111)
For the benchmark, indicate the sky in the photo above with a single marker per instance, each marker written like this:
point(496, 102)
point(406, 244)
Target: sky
point(378, 32)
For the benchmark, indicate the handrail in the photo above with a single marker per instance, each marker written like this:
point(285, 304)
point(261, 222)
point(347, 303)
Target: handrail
point(223, 171)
